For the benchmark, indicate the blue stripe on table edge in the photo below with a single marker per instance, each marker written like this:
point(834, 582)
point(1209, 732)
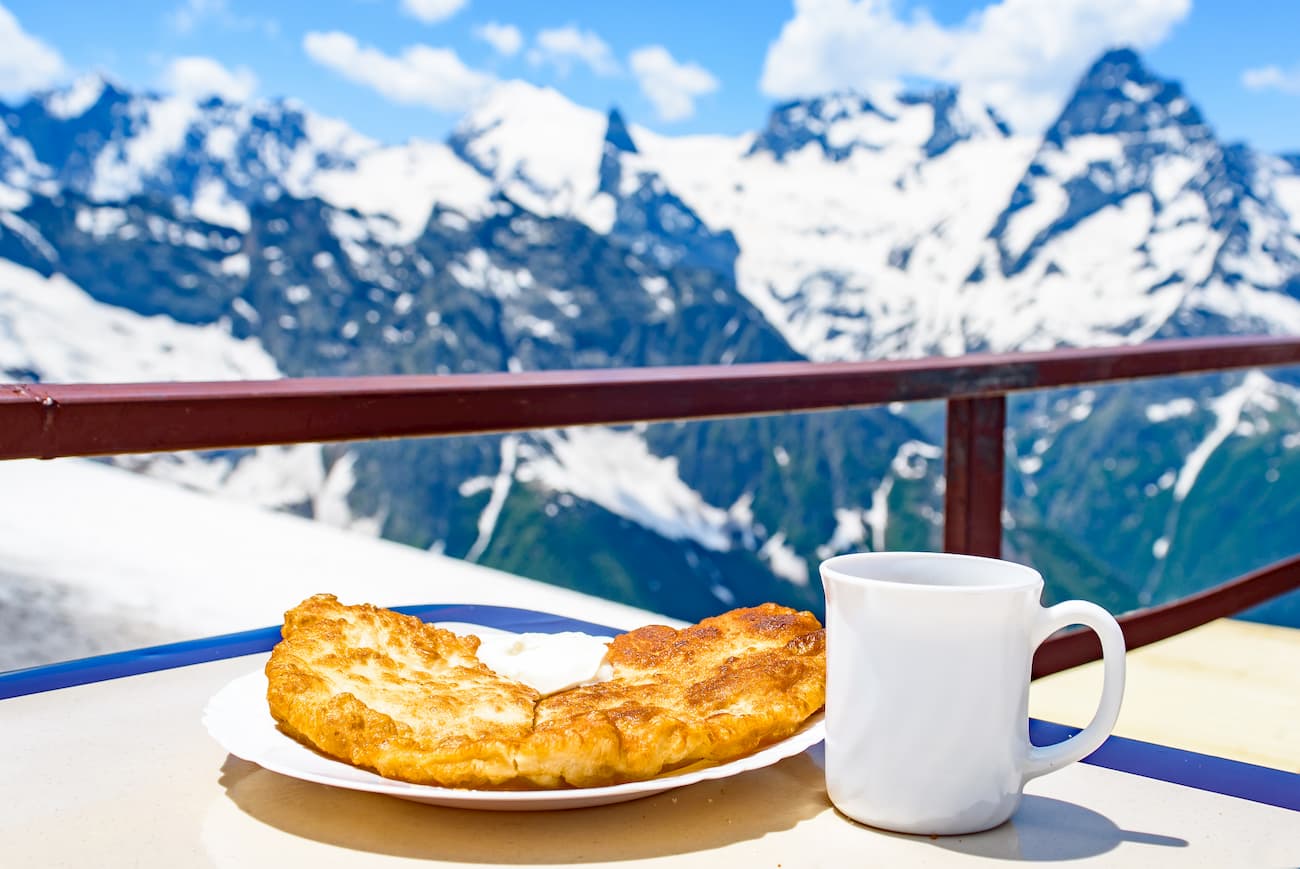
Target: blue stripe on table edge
point(1220, 775)
point(1233, 778)
point(100, 668)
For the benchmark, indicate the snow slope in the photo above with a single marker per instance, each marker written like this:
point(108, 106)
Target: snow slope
point(97, 559)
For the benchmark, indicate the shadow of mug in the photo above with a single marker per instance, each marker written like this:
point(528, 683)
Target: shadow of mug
point(1047, 830)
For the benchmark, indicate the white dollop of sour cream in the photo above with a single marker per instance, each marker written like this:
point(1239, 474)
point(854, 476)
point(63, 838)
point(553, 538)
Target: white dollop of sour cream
point(547, 663)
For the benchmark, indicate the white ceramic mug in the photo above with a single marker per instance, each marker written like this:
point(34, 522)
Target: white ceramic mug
point(927, 687)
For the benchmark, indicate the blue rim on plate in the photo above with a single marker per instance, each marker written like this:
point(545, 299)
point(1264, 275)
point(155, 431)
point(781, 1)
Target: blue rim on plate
point(1219, 775)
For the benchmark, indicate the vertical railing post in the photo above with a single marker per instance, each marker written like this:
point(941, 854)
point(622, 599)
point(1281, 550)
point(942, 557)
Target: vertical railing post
point(973, 467)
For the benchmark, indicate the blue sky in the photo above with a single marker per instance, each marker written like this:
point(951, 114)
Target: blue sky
point(397, 69)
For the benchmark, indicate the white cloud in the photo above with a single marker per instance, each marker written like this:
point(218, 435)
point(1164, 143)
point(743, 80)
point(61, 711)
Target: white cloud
point(671, 86)
point(564, 46)
point(505, 38)
point(1023, 56)
point(421, 76)
point(26, 63)
point(1272, 78)
point(432, 11)
point(198, 77)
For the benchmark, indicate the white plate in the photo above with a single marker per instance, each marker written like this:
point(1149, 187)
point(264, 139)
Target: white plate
point(238, 718)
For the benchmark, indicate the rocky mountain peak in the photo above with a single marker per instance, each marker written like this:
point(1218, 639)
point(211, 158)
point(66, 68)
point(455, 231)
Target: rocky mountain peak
point(1119, 95)
point(617, 135)
point(795, 124)
point(841, 124)
point(618, 144)
point(953, 122)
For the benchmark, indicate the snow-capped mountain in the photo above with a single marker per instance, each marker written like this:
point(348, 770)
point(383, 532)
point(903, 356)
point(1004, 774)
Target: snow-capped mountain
point(858, 219)
point(1133, 221)
point(547, 235)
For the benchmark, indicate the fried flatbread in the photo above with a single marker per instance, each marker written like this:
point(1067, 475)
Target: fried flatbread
point(411, 701)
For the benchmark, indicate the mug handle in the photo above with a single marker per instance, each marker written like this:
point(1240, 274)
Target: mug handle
point(1047, 758)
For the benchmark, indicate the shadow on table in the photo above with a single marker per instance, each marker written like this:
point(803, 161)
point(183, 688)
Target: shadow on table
point(698, 817)
point(1046, 830)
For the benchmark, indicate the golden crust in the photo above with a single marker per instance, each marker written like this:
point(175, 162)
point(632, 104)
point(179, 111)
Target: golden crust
point(374, 687)
point(390, 693)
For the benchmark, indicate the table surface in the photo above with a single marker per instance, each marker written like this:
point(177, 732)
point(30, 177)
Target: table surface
point(122, 772)
point(1229, 688)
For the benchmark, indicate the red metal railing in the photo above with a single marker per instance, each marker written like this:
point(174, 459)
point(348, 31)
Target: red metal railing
point(50, 420)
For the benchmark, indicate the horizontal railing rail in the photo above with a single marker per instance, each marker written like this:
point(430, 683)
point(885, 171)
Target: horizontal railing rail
point(51, 420)
point(56, 420)
point(1152, 624)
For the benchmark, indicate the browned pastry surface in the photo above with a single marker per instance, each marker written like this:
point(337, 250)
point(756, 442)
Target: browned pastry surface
point(390, 693)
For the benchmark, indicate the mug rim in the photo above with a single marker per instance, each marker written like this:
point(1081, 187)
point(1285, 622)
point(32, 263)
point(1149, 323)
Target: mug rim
point(1029, 577)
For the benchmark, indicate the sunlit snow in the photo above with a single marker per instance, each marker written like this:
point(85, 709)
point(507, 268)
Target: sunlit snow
point(850, 530)
point(214, 204)
point(616, 470)
point(818, 237)
point(113, 344)
point(512, 136)
point(1227, 410)
point(1178, 407)
point(76, 99)
point(155, 563)
point(405, 183)
point(783, 561)
point(123, 165)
